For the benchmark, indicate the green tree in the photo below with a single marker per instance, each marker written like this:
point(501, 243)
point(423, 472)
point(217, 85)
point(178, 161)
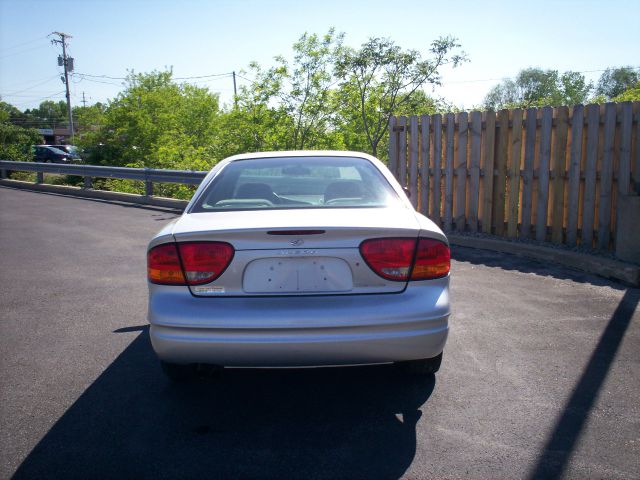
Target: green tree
point(155, 122)
point(534, 87)
point(16, 141)
point(380, 78)
point(10, 114)
point(632, 94)
point(302, 88)
point(88, 118)
point(49, 114)
point(614, 81)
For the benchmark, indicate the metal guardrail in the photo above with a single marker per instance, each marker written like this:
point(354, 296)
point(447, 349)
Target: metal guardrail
point(147, 175)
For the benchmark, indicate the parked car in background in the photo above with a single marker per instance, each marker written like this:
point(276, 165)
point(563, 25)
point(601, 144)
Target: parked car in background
point(70, 149)
point(49, 154)
point(294, 259)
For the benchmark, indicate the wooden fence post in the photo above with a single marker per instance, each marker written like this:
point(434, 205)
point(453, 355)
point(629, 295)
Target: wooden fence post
point(448, 172)
point(543, 174)
point(413, 160)
point(424, 170)
point(606, 177)
point(501, 173)
point(588, 209)
point(575, 158)
point(474, 170)
point(487, 167)
point(559, 167)
point(461, 170)
point(636, 179)
point(436, 196)
point(527, 175)
point(402, 151)
point(624, 168)
point(514, 174)
point(393, 146)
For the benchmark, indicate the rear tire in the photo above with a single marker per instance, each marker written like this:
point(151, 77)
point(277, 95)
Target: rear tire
point(422, 367)
point(177, 373)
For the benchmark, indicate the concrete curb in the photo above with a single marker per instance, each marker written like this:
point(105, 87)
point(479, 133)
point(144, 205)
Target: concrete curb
point(100, 194)
point(627, 273)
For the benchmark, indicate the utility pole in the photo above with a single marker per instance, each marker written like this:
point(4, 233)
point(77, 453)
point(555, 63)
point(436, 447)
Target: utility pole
point(67, 63)
point(235, 91)
point(84, 102)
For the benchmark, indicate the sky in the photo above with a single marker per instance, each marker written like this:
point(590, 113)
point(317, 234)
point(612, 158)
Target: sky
point(200, 38)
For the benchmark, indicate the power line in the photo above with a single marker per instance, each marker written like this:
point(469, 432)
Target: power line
point(245, 78)
point(23, 44)
point(34, 95)
point(98, 76)
point(20, 52)
point(205, 76)
point(22, 84)
point(82, 78)
point(49, 97)
point(31, 87)
point(195, 77)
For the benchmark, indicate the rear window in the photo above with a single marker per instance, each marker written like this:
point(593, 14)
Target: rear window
point(297, 182)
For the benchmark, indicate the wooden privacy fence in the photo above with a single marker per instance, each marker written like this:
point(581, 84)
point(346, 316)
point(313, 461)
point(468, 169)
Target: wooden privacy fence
point(553, 174)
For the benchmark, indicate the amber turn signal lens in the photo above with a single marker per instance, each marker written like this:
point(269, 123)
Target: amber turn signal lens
point(163, 265)
point(433, 260)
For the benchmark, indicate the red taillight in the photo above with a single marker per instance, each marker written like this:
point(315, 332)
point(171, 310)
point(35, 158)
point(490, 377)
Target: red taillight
point(196, 263)
point(203, 262)
point(389, 257)
point(393, 258)
point(163, 265)
point(433, 260)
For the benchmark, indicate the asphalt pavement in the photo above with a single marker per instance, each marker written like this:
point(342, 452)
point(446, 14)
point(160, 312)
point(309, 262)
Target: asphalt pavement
point(540, 378)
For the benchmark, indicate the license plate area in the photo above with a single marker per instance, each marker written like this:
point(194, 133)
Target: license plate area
point(297, 275)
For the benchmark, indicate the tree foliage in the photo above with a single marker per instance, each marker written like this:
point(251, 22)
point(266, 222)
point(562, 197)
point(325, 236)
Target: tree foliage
point(155, 122)
point(534, 87)
point(16, 141)
point(632, 94)
point(380, 78)
point(614, 81)
point(302, 89)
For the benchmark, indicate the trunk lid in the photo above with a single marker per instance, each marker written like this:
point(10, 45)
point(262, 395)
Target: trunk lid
point(297, 252)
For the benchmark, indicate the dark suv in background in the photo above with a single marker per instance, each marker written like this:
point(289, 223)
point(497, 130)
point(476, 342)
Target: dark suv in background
point(70, 149)
point(54, 154)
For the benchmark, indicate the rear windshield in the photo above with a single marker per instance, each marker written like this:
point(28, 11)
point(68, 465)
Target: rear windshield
point(302, 182)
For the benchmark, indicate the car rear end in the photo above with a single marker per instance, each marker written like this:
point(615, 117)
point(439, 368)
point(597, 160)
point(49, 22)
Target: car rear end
point(295, 279)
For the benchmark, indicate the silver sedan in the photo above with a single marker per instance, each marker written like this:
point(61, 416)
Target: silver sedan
point(292, 259)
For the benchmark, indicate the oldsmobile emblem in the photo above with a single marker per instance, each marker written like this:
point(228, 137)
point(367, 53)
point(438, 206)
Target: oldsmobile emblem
point(296, 243)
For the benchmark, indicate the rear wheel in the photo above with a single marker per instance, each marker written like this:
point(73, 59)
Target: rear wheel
point(424, 366)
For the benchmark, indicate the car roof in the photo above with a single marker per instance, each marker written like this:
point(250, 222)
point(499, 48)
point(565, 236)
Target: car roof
point(299, 154)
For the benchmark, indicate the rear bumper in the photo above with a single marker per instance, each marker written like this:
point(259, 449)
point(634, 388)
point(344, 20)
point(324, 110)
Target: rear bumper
point(300, 331)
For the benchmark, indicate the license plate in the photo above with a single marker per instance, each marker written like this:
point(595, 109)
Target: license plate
point(297, 275)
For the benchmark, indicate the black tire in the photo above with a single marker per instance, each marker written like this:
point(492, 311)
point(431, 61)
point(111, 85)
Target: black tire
point(424, 366)
point(177, 373)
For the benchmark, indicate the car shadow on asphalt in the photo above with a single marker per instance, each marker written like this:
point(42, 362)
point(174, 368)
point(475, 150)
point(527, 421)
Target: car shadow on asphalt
point(506, 261)
point(357, 422)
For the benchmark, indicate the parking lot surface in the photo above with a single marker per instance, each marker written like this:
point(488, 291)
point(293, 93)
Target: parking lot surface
point(540, 377)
